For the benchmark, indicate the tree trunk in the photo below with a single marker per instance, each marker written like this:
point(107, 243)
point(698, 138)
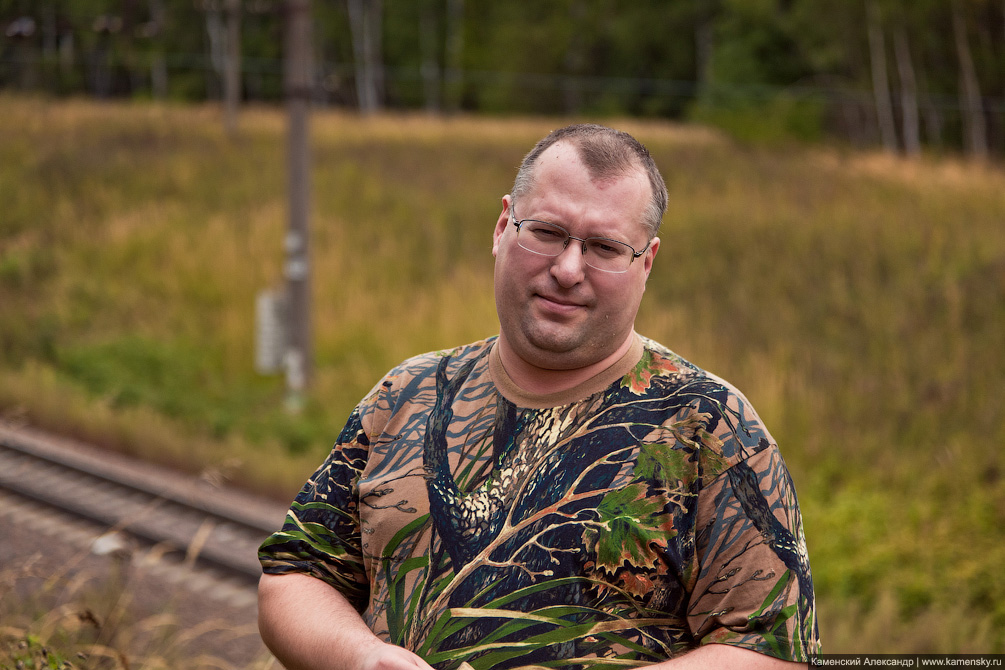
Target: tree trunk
point(455, 54)
point(880, 82)
point(216, 34)
point(158, 64)
point(49, 32)
point(932, 115)
point(704, 43)
point(908, 92)
point(430, 69)
point(971, 105)
point(365, 24)
point(232, 69)
point(575, 60)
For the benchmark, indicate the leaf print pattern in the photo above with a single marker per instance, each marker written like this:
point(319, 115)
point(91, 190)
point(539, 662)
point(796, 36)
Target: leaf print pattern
point(614, 531)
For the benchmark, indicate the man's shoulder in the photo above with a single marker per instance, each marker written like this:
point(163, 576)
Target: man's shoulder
point(415, 376)
point(656, 349)
point(659, 362)
point(422, 363)
point(658, 359)
point(421, 367)
point(734, 429)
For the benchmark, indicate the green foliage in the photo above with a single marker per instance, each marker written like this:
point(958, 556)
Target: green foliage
point(185, 383)
point(754, 70)
point(768, 119)
point(755, 46)
point(28, 653)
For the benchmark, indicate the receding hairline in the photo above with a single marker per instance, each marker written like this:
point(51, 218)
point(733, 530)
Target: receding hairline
point(607, 153)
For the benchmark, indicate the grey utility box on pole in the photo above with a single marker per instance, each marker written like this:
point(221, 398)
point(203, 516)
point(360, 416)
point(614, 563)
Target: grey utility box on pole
point(270, 331)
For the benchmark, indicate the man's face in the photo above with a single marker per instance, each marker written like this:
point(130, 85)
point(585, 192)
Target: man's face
point(558, 313)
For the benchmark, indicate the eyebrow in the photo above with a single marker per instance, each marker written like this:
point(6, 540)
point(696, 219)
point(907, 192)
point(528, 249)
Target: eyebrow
point(565, 227)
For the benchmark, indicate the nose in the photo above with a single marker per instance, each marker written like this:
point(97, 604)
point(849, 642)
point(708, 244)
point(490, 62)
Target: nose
point(569, 267)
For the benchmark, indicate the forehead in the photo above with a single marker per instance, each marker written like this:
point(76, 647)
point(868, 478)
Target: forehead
point(565, 188)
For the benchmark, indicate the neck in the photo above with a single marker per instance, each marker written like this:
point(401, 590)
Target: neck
point(542, 381)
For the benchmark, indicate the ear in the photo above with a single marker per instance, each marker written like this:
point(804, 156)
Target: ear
point(501, 223)
point(650, 255)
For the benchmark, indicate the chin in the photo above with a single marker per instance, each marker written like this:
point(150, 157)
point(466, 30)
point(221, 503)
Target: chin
point(565, 357)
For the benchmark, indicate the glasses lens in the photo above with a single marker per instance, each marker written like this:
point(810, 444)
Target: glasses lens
point(608, 255)
point(542, 238)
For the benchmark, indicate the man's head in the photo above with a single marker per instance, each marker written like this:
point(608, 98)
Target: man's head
point(558, 311)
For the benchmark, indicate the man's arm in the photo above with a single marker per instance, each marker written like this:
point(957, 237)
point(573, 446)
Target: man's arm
point(719, 656)
point(308, 625)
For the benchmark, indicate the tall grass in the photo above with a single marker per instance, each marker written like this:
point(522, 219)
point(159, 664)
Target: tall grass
point(74, 616)
point(857, 299)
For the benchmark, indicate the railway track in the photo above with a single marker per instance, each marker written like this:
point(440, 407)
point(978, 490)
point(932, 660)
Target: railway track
point(185, 520)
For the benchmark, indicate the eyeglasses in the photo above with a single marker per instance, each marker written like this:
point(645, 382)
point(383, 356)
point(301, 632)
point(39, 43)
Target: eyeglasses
point(549, 239)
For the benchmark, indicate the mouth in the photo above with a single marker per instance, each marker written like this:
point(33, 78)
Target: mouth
point(558, 304)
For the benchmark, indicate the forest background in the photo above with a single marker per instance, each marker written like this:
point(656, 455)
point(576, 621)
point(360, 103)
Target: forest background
point(854, 292)
point(902, 74)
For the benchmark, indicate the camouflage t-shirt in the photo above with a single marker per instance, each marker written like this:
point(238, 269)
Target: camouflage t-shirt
point(640, 515)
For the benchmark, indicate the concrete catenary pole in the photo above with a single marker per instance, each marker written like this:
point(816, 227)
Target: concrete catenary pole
point(298, 78)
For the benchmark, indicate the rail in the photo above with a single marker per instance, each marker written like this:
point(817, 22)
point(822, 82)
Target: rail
point(186, 518)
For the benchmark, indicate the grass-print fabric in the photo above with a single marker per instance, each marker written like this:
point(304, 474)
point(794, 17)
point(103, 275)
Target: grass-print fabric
point(618, 530)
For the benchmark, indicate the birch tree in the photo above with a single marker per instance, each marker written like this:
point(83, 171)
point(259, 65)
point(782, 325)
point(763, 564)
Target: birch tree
point(910, 127)
point(365, 23)
point(429, 48)
point(880, 79)
point(454, 55)
point(974, 125)
point(232, 65)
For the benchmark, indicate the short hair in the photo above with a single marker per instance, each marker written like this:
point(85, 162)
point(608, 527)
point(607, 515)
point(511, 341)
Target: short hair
point(607, 153)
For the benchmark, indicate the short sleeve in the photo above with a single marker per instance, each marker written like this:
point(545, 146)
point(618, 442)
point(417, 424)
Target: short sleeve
point(321, 534)
point(754, 588)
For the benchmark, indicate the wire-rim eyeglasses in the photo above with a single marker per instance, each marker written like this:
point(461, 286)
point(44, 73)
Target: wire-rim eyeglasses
point(550, 239)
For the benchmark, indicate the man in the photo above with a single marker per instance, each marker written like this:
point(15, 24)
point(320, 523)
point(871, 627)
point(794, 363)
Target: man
point(567, 490)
